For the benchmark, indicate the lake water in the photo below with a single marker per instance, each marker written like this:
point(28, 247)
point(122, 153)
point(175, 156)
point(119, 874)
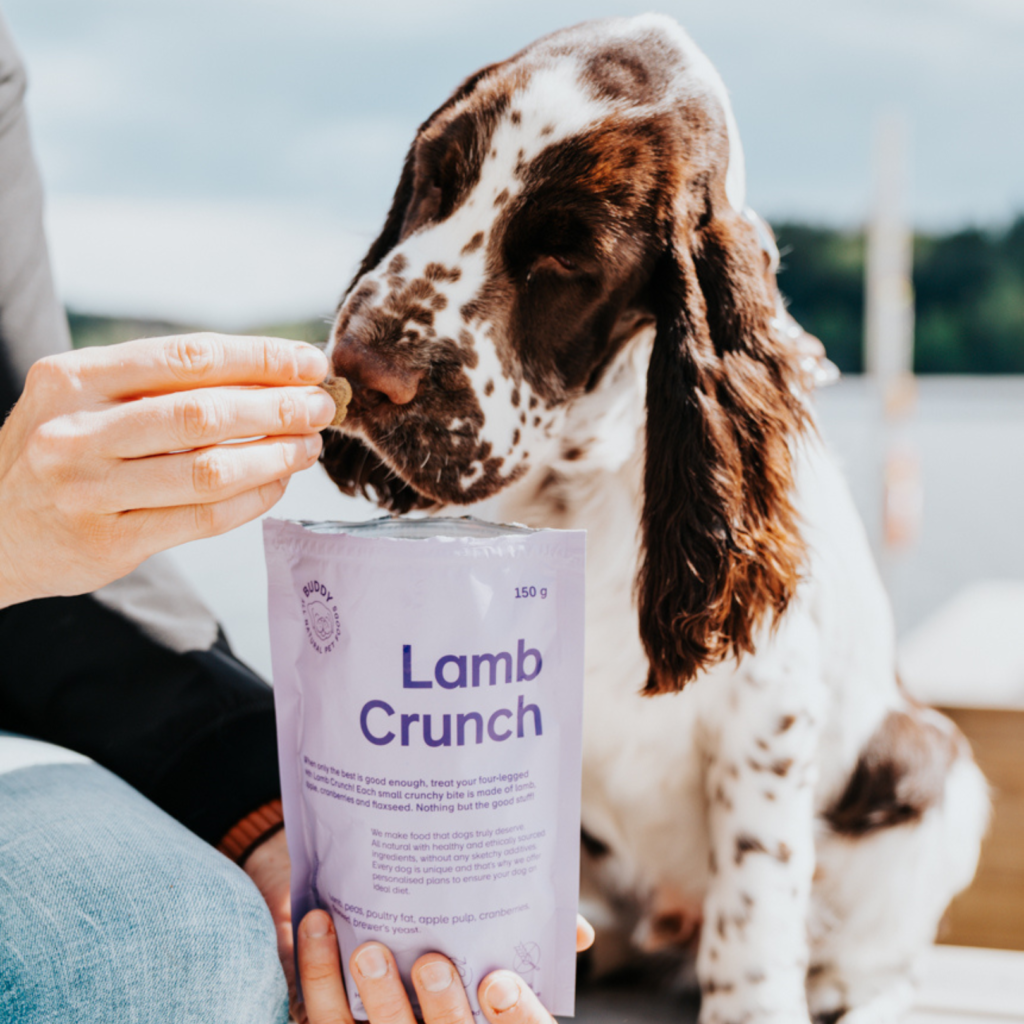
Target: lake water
point(968, 435)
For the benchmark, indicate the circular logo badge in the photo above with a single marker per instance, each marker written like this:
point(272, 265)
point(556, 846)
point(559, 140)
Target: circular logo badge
point(320, 615)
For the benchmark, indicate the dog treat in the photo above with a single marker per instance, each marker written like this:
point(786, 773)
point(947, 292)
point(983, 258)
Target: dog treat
point(428, 679)
point(341, 391)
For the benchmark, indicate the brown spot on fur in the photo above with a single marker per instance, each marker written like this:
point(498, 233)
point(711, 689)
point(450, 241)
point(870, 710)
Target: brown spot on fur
point(489, 388)
point(781, 766)
point(548, 129)
point(572, 454)
point(522, 418)
point(631, 70)
point(515, 437)
point(748, 844)
point(439, 272)
point(534, 401)
point(515, 397)
point(516, 117)
point(900, 773)
point(501, 198)
point(755, 977)
point(473, 244)
point(709, 986)
point(785, 723)
point(536, 421)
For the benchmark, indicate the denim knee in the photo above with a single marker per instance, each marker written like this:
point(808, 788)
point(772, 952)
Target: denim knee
point(112, 911)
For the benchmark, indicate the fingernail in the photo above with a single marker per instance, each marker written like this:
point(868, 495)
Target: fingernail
point(312, 362)
point(502, 993)
point(316, 926)
point(435, 976)
point(313, 443)
point(372, 963)
point(321, 407)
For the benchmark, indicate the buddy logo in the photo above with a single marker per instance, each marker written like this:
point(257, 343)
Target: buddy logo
point(320, 616)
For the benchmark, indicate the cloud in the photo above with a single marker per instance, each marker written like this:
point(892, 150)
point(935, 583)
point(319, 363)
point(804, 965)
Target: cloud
point(309, 105)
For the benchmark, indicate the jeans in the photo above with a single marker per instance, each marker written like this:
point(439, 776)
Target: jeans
point(111, 912)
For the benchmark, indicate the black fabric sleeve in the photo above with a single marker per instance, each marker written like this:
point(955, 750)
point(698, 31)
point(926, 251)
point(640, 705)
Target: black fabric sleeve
point(193, 731)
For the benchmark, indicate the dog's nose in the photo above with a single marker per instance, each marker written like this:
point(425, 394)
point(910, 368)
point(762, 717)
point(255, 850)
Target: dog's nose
point(373, 378)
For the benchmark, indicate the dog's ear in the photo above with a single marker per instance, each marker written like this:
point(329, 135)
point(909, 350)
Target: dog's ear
point(721, 547)
point(391, 233)
point(358, 471)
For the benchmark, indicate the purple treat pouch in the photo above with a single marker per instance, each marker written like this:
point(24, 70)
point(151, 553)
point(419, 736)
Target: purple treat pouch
point(428, 678)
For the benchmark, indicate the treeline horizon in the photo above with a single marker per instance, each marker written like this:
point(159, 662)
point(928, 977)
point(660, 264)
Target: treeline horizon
point(968, 299)
point(968, 295)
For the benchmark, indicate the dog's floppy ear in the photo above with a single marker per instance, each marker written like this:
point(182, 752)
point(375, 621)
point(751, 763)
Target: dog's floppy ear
point(391, 233)
point(721, 547)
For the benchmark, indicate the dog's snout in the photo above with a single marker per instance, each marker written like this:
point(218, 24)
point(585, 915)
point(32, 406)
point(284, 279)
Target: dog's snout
point(374, 378)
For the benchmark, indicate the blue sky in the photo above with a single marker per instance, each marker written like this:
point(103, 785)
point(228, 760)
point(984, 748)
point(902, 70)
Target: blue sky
point(226, 161)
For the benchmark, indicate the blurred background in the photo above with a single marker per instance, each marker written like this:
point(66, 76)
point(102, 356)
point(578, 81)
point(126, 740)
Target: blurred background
point(224, 163)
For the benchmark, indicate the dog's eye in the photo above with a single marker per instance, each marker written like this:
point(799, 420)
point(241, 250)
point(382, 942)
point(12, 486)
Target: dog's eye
point(558, 263)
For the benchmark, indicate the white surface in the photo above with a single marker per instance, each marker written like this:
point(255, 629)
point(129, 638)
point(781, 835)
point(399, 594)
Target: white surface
point(971, 651)
point(963, 985)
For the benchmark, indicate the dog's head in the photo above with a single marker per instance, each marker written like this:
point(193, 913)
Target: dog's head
point(554, 205)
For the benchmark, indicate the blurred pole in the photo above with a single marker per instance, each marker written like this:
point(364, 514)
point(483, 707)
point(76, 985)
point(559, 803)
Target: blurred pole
point(889, 336)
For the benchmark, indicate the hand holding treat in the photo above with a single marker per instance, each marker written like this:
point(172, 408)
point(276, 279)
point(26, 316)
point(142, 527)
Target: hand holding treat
point(114, 453)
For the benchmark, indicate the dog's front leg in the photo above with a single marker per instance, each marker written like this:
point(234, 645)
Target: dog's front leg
point(760, 770)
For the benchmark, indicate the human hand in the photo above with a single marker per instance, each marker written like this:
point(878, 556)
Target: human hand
point(112, 454)
point(504, 997)
point(270, 868)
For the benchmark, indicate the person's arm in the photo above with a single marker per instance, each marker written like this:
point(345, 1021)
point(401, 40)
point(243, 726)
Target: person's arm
point(32, 322)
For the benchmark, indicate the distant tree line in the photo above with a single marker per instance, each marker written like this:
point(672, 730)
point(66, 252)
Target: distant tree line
point(968, 285)
point(968, 296)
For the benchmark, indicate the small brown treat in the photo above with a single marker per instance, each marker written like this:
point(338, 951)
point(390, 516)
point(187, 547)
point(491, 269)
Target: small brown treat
point(341, 391)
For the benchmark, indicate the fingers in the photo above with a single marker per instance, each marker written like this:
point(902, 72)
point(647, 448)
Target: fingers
point(439, 988)
point(380, 987)
point(155, 529)
point(207, 475)
point(160, 365)
point(507, 999)
point(584, 933)
point(197, 419)
point(320, 971)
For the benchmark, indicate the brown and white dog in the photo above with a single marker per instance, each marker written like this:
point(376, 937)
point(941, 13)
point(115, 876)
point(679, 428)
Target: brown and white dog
point(571, 315)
